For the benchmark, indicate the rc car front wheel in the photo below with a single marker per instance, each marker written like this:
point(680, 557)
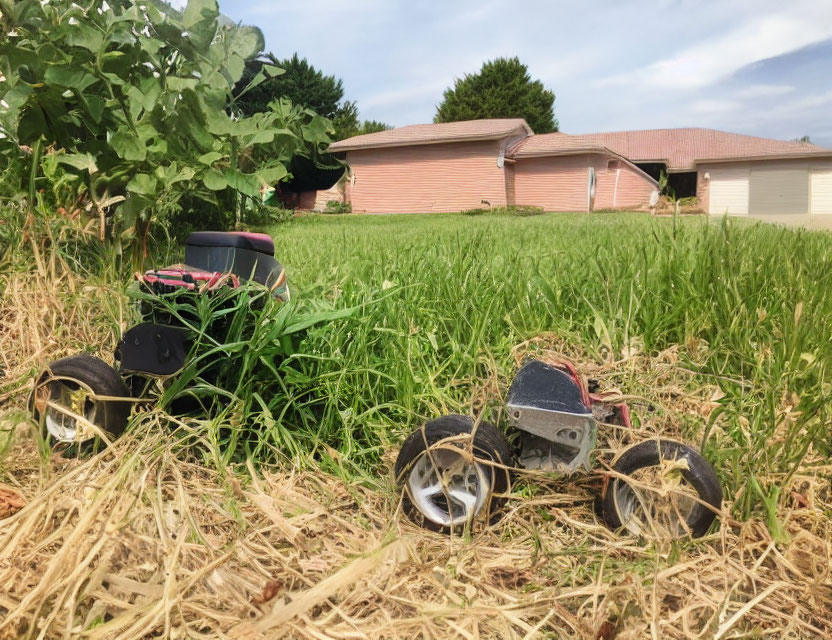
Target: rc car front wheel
point(453, 474)
point(68, 402)
point(670, 491)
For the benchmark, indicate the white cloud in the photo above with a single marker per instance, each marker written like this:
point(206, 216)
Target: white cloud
point(712, 107)
point(404, 94)
point(764, 91)
point(760, 37)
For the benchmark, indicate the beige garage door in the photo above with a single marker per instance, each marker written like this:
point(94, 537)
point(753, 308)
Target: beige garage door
point(728, 191)
point(779, 191)
point(821, 191)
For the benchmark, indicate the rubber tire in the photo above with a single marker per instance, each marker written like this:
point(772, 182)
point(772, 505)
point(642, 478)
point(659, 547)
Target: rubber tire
point(111, 416)
point(489, 444)
point(701, 476)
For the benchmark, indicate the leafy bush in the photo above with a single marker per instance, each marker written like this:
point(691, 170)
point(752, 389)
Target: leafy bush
point(136, 102)
point(336, 206)
point(263, 215)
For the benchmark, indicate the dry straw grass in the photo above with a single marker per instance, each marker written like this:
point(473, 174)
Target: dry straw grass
point(141, 541)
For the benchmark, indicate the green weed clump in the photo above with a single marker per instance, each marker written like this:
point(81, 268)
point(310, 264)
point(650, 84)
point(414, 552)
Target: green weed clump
point(511, 210)
point(336, 206)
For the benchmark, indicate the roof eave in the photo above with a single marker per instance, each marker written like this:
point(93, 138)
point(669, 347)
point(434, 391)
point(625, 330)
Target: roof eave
point(806, 155)
point(418, 143)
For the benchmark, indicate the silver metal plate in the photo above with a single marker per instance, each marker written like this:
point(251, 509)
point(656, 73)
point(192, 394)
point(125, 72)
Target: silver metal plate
point(559, 441)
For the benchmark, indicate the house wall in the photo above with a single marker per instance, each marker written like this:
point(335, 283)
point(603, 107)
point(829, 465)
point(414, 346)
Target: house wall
point(633, 189)
point(703, 186)
point(426, 178)
point(306, 201)
point(558, 183)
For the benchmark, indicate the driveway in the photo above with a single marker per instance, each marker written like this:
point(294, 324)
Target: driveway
point(816, 222)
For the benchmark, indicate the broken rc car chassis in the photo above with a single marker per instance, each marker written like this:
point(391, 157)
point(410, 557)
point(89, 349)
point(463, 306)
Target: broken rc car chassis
point(454, 471)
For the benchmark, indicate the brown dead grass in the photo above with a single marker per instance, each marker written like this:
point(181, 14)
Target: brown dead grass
point(142, 541)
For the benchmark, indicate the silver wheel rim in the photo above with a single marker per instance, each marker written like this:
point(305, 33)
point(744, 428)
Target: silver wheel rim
point(448, 476)
point(59, 424)
point(662, 509)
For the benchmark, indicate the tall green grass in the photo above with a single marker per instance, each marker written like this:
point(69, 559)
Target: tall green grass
point(438, 302)
point(444, 298)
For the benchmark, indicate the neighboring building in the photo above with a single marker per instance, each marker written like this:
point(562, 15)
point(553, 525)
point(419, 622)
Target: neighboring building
point(560, 172)
point(430, 167)
point(730, 172)
point(465, 165)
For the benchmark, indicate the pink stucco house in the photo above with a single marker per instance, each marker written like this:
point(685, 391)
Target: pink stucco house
point(466, 165)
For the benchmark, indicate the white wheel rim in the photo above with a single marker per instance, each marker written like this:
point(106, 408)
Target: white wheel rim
point(448, 476)
point(661, 510)
point(59, 424)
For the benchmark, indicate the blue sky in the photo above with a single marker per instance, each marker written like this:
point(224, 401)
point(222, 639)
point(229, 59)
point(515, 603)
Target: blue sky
point(758, 67)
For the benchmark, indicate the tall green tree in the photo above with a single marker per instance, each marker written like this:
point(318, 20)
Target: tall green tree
point(303, 84)
point(503, 88)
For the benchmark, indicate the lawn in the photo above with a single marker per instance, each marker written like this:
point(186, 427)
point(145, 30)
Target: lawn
point(715, 333)
point(746, 306)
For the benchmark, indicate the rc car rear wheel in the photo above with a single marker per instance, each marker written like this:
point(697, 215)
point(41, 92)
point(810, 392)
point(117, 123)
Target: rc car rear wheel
point(67, 402)
point(671, 491)
point(453, 474)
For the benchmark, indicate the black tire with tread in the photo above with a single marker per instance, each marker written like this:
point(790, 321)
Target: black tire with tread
point(111, 416)
point(700, 475)
point(489, 444)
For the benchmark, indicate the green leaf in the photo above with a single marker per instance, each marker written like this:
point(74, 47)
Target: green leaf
point(81, 161)
point(261, 137)
point(134, 102)
point(246, 41)
point(144, 97)
point(316, 131)
point(200, 21)
point(132, 208)
point(203, 139)
point(171, 174)
point(218, 123)
point(272, 71)
point(210, 158)
point(245, 183)
point(94, 106)
point(180, 84)
point(17, 96)
point(271, 175)
point(214, 180)
point(33, 125)
point(128, 146)
point(85, 36)
point(234, 65)
point(151, 45)
point(114, 79)
point(158, 146)
point(143, 184)
point(71, 77)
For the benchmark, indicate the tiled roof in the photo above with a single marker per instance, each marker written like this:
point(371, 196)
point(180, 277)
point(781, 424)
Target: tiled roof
point(681, 149)
point(435, 133)
point(550, 144)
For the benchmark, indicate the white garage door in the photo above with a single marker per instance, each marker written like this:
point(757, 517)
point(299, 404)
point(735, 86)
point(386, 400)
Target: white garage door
point(728, 191)
point(779, 190)
point(821, 190)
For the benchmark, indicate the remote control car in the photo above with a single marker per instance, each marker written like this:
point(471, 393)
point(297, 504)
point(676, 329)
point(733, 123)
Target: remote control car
point(81, 400)
point(454, 471)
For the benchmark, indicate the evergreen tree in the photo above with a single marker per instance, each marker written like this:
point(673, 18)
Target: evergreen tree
point(501, 89)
